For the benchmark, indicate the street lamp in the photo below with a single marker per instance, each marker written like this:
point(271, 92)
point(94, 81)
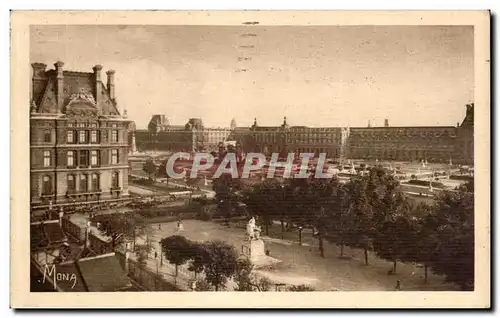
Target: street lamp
point(50, 210)
point(300, 235)
point(161, 257)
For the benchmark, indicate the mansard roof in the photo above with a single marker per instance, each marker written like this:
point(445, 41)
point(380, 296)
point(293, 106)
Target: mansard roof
point(77, 86)
point(159, 120)
point(469, 117)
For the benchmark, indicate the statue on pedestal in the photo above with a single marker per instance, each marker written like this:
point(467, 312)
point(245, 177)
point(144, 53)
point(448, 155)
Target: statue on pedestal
point(253, 231)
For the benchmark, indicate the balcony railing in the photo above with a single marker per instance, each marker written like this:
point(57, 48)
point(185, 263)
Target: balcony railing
point(115, 189)
point(74, 193)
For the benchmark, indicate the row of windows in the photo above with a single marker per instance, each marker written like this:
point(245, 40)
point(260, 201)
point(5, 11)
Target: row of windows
point(399, 145)
point(83, 135)
point(88, 136)
point(404, 135)
point(91, 125)
point(297, 140)
point(85, 158)
point(83, 183)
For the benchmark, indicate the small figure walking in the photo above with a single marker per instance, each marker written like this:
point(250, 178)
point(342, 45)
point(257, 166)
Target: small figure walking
point(180, 226)
point(159, 226)
point(398, 284)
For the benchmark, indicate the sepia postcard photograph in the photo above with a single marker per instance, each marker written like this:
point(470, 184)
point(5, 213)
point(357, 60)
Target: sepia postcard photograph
point(263, 159)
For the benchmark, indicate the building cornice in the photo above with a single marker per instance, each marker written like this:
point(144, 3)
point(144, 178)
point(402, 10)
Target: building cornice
point(79, 169)
point(121, 145)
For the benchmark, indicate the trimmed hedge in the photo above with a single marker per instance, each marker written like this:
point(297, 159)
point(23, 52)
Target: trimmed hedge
point(173, 211)
point(459, 177)
point(426, 183)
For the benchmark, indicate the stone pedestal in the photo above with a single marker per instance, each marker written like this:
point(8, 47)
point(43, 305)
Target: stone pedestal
point(255, 252)
point(253, 249)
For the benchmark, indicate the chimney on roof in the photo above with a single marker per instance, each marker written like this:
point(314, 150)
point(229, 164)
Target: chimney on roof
point(38, 75)
point(111, 84)
point(60, 85)
point(98, 84)
point(386, 122)
point(38, 70)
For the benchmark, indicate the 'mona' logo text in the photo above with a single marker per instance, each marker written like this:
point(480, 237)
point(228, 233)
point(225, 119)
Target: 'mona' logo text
point(50, 272)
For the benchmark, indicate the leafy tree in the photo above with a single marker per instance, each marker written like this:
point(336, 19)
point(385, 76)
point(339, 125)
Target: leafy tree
point(117, 226)
point(226, 188)
point(199, 257)
point(150, 168)
point(246, 281)
point(162, 171)
point(360, 214)
point(265, 284)
point(142, 254)
point(454, 256)
point(395, 234)
point(342, 220)
point(422, 234)
point(221, 263)
point(326, 201)
point(296, 205)
point(301, 288)
point(203, 285)
point(467, 187)
point(242, 277)
point(264, 199)
point(384, 202)
point(177, 250)
point(192, 182)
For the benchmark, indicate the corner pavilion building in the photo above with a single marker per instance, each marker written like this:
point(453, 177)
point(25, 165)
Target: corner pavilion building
point(78, 139)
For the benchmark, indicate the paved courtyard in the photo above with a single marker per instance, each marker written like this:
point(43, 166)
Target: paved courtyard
point(303, 265)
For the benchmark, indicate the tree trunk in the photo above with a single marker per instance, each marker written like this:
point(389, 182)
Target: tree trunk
point(425, 273)
point(282, 229)
point(176, 270)
point(394, 267)
point(133, 244)
point(321, 249)
point(366, 256)
point(216, 287)
point(341, 249)
point(267, 228)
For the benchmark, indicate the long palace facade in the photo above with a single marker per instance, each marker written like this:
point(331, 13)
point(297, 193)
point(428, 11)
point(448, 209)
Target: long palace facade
point(431, 143)
point(78, 138)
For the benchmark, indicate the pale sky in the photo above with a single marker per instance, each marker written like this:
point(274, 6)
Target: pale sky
point(315, 76)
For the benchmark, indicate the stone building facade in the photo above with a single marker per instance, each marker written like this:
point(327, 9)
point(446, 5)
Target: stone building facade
point(212, 137)
point(298, 139)
point(78, 138)
point(431, 143)
point(193, 136)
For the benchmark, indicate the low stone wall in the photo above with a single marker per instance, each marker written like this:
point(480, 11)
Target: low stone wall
point(73, 229)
